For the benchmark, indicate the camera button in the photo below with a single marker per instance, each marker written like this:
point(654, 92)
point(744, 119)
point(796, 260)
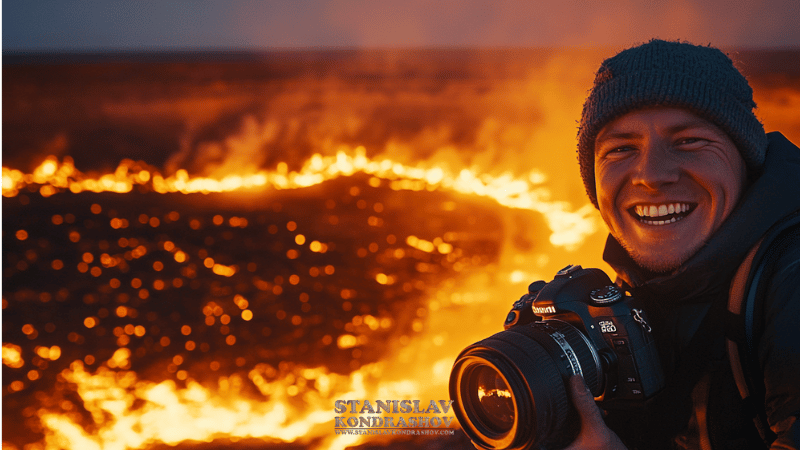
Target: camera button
point(512, 317)
point(606, 295)
point(621, 346)
point(535, 287)
point(568, 271)
point(631, 390)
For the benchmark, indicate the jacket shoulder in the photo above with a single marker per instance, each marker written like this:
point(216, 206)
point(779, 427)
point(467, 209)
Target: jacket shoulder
point(779, 348)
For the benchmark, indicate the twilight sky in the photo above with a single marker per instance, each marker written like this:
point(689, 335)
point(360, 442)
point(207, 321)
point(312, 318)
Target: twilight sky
point(98, 25)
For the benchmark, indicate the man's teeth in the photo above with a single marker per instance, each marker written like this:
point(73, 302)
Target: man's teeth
point(649, 212)
point(661, 210)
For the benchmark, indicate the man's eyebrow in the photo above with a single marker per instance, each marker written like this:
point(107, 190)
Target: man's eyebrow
point(688, 124)
point(691, 124)
point(617, 135)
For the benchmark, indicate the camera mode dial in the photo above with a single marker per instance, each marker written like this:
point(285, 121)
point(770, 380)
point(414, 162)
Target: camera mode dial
point(605, 295)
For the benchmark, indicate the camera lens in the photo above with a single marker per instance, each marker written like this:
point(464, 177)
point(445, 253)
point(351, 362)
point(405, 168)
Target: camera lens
point(510, 391)
point(492, 399)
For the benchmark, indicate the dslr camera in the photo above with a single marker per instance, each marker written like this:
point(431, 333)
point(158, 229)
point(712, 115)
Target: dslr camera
point(510, 390)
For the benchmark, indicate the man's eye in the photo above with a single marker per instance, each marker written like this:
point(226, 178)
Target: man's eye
point(619, 150)
point(614, 152)
point(691, 143)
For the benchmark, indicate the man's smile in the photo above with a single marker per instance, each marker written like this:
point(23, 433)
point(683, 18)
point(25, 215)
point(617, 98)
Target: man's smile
point(661, 214)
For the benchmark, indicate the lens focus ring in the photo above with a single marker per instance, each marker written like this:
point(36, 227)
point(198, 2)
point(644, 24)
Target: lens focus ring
point(580, 354)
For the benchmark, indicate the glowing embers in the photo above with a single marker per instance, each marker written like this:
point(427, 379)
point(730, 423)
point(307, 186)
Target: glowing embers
point(12, 356)
point(438, 244)
point(569, 228)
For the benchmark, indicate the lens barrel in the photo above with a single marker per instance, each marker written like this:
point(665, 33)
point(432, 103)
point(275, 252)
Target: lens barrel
point(510, 390)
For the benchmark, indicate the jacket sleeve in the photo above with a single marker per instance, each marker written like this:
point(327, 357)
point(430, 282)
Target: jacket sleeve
point(779, 350)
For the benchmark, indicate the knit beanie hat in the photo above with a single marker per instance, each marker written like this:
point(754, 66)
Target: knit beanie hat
point(676, 74)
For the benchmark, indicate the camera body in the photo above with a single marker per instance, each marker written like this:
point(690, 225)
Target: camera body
point(510, 390)
point(615, 326)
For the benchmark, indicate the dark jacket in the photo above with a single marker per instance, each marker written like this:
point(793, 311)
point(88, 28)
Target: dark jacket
point(709, 404)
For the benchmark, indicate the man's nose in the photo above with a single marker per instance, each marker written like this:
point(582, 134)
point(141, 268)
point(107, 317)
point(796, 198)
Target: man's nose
point(656, 166)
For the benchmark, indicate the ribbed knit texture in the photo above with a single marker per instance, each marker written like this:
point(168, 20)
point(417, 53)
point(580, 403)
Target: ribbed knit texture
point(700, 79)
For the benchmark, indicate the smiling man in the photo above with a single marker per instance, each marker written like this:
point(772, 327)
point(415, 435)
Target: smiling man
point(688, 182)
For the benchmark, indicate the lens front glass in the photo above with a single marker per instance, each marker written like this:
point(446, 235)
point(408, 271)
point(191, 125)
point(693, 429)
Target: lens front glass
point(492, 399)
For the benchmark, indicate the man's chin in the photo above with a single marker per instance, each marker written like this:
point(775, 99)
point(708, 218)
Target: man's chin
point(658, 262)
point(658, 266)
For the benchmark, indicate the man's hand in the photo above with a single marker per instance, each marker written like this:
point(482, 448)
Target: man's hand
point(594, 433)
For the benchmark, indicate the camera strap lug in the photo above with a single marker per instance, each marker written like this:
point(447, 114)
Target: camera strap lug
point(637, 316)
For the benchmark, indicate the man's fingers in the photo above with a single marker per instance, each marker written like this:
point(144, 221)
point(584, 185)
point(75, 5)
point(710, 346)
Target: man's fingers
point(584, 402)
point(594, 434)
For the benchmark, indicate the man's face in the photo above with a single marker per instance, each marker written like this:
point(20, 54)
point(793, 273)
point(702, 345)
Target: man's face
point(666, 180)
